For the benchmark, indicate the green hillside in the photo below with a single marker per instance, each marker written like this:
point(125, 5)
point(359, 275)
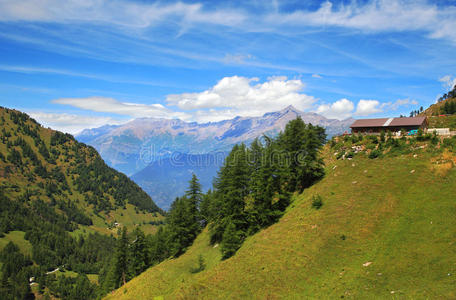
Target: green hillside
point(386, 229)
point(61, 207)
point(55, 168)
point(438, 117)
point(442, 114)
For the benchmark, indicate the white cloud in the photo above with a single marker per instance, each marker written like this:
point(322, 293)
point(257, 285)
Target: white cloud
point(244, 96)
point(122, 13)
point(344, 108)
point(317, 76)
point(38, 70)
point(371, 16)
point(448, 81)
point(399, 102)
point(72, 123)
point(237, 58)
point(110, 105)
point(378, 16)
point(367, 107)
point(230, 97)
point(340, 109)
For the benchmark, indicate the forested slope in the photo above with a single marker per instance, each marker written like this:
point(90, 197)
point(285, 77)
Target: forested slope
point(380, 224)
point(58, 195)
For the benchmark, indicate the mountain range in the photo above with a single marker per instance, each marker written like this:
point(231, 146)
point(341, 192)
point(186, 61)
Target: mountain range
point(145, 147)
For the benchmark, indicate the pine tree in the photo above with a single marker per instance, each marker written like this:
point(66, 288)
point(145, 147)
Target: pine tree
point(181, 226)
point(159, 245)
point(267, 193)
point(206, 207)
point(139, 252)
point(232, 240)
point(193, 193)
point(121, 259)
point(301, 144)
point(232, 186)
point(194, 198)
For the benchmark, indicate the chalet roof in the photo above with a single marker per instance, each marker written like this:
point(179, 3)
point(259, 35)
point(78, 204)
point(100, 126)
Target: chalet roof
point(389, 122)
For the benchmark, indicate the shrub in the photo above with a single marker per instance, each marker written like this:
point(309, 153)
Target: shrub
point(350, 154)
point(419, 135)
point(317, 201)
point(201, 265)
point(434, 138)
point(449, 144)
point(382, 136)
point(340, 154)
point(373, 139)
point(375, 153)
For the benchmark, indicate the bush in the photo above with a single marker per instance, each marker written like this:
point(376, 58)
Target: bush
point(375, 153)
point(201, 265)
point(340, 154)
point(382, 136)
point(317, 201)
point(450, 144)
point(350, 154)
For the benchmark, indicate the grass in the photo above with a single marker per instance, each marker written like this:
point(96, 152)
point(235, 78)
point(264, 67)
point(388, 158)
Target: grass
point(128, 217)
point(93, 278)
point(171, 273)
point(387, 229)
point(443, 122)
point(17, 237)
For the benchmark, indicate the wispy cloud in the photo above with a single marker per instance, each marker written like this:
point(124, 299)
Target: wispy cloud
point(52, 71)
point(110, 105)
point(72, 123)
point(399, 103)
point(448, 81)
point(379, 16)
point(373, 16)
point(121, 13)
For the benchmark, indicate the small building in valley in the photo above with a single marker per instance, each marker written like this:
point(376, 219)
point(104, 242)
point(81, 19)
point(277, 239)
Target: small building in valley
point(388, 124)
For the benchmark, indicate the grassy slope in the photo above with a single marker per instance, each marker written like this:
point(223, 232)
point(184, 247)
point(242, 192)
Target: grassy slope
point(443, 122)
point(435, 109)
point(403, 223)
point(125, 217)
point(435, 121)
point(17, 237)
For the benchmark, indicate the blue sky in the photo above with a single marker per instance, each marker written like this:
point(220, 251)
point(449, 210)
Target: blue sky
point(82, 64)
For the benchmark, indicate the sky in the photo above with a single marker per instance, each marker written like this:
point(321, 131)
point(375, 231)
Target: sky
point(85, 63)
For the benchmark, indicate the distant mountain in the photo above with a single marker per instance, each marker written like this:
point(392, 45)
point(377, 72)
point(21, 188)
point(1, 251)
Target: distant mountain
point(129, 148)
point(143, 148)
point(167, 178)
point(90, 134)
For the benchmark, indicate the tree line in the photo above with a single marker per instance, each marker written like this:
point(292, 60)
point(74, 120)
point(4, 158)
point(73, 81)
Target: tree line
point(251, 191)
